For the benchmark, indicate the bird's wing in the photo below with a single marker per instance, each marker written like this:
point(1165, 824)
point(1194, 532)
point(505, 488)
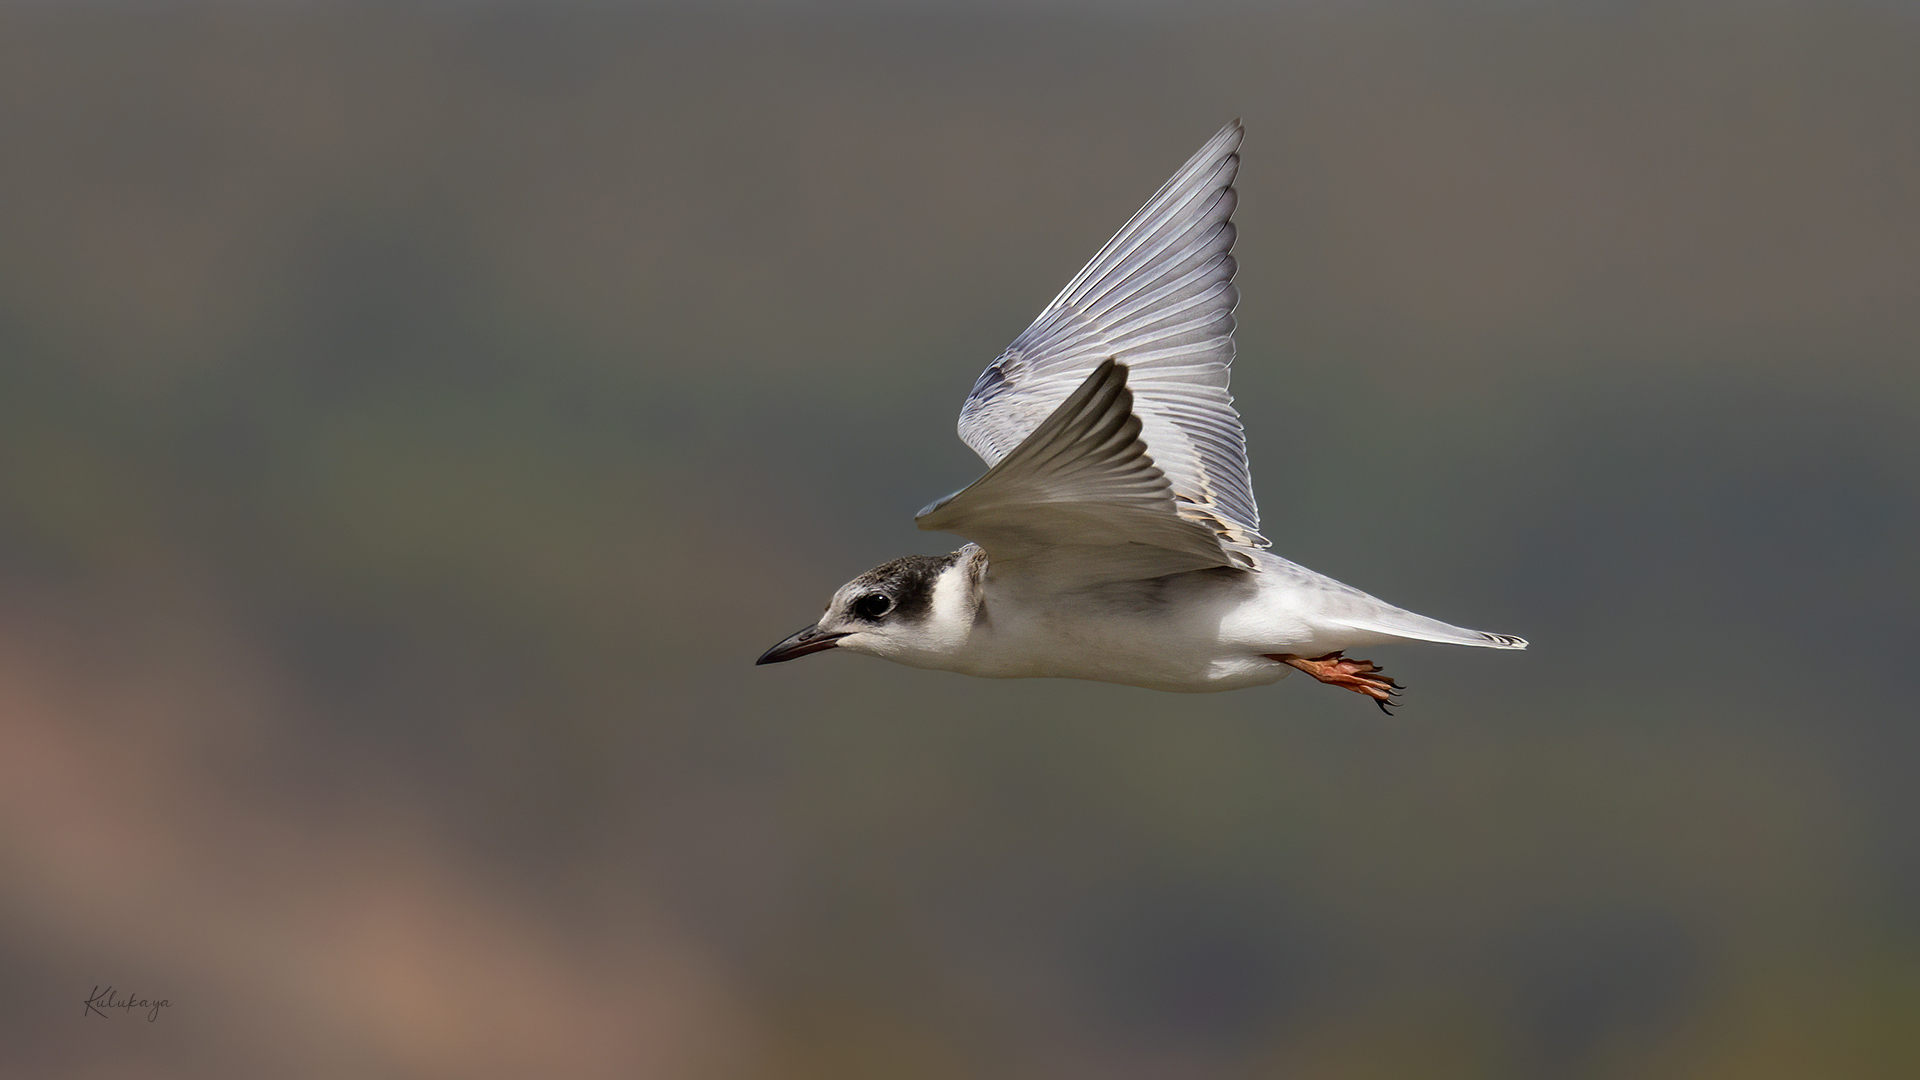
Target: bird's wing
point(1081, 498)
point(1159, 299)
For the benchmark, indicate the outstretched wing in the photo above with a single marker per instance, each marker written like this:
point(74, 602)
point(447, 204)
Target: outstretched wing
point(1159, 299)
point(1081, 497)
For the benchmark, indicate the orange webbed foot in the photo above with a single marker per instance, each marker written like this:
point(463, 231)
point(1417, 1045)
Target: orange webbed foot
point(1359, 676)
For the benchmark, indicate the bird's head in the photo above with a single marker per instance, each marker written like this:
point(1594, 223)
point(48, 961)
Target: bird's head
point(890, 611)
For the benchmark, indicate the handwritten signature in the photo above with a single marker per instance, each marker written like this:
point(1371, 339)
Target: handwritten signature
point(104, 999)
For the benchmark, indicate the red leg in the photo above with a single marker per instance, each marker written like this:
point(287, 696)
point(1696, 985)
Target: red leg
point(1359, 676)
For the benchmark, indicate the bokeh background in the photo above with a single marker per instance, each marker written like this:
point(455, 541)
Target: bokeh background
point(414, 419)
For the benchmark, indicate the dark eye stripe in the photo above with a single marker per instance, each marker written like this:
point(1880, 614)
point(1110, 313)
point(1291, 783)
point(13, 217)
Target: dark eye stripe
point(907, 584)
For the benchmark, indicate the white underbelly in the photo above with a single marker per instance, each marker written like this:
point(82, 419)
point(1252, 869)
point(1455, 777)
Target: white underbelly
point(1132, 651)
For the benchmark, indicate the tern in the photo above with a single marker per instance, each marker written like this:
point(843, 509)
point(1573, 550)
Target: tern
point(1114, 535)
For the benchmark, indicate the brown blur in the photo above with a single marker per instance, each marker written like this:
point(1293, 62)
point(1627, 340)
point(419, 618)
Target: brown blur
point(414, 421)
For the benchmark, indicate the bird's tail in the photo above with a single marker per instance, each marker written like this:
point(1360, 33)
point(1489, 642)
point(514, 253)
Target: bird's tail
point(1405, 624)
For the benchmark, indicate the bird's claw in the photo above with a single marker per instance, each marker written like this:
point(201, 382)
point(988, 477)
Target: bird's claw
point(1359, 676)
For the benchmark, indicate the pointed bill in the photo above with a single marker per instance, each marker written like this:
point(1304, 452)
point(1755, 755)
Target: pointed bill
point(811, 640)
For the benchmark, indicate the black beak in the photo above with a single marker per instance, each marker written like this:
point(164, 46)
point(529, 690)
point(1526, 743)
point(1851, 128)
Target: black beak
point(811, 640)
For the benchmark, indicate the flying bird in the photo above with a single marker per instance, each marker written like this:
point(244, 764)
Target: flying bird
point(1114, 535)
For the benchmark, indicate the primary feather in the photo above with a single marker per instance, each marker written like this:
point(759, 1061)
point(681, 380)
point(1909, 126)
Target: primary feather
point(1158, 298)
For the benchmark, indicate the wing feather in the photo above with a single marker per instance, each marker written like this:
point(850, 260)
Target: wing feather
point(1081, 492)
point(1159, 299)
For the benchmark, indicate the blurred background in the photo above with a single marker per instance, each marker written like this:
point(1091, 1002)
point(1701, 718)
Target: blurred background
point(415, 418)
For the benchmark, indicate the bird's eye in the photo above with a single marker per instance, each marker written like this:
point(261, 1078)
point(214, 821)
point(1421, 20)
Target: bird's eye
point(873, 605)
